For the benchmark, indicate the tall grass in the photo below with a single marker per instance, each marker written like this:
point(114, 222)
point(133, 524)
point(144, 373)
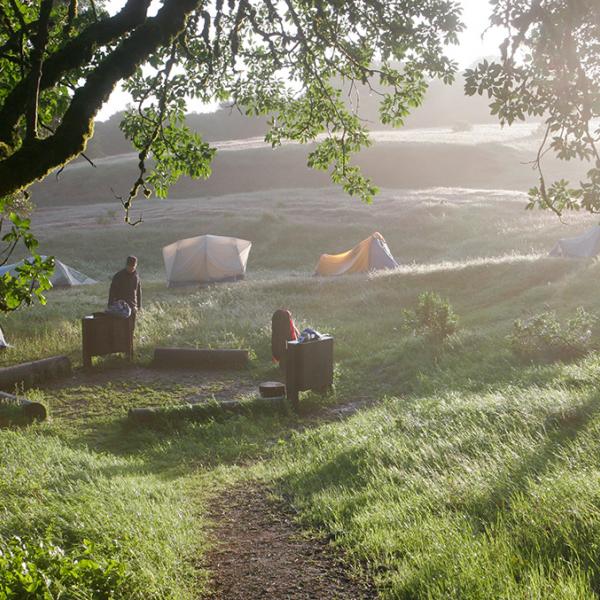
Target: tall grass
point(488, 495)
point(476, 477)
point(142, 520)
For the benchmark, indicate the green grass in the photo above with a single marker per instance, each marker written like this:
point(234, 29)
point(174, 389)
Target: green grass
point(473, 476)
point(458, 495)
point(75, 494)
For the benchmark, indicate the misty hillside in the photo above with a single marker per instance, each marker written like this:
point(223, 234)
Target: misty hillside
point(444, 106)
point(486, 157)
point(451, 141)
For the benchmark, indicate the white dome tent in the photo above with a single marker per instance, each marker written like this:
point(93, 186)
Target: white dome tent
point(205, 259)
point(586, 245)
point(63, 276)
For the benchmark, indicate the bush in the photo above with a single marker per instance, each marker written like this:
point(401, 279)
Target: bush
point(460, 126)
point(543, 337)
point(434, 317)
point(43, 570)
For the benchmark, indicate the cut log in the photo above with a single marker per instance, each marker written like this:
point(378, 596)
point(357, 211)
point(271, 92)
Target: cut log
point(23, 410)
point(203, 410)
point(189, 358)
point(271, 389)
point(28, 374)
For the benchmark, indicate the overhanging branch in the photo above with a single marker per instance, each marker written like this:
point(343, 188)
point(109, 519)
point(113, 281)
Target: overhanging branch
point(37, 158)
point(75, 54)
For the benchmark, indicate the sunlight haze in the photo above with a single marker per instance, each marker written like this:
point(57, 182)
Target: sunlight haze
point(472, 47)
point(336, 337)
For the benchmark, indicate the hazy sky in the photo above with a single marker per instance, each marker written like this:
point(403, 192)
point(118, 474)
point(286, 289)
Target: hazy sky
point(472, 47)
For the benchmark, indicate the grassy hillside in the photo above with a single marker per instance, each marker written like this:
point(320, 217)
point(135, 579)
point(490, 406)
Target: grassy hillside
point(467, 473)
point(484, 157)
point(290, 228)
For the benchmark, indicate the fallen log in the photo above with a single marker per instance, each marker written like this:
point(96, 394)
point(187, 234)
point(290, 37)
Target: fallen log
point(190, 358)
point(203, 410)
point(28, 374)
point(18, 410)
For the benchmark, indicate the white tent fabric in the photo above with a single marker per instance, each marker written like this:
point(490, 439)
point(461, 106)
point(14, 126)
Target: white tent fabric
point(3, 343)
point(583, 246)
point(205, 259)
point(63, 276)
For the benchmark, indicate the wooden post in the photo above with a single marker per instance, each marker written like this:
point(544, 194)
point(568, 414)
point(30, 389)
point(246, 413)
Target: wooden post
point(309, 366)
point(103, 334)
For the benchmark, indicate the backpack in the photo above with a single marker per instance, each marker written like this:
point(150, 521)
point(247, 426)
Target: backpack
point(120, 309)
point(282, 331)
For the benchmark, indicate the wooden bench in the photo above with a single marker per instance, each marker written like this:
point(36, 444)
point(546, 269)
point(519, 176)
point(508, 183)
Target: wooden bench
point(191, 358)
point(26, 375)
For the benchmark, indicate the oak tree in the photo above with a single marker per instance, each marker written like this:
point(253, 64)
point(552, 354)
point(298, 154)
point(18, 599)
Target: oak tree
point(550, 69)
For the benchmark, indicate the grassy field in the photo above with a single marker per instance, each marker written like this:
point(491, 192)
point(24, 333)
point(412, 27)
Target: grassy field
point(467, 473)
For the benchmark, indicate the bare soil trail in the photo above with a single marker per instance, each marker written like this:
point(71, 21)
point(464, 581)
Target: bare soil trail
point(261, 553)
point(258, 550)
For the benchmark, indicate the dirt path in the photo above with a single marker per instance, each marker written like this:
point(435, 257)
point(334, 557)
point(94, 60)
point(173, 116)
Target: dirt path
point(262, 554)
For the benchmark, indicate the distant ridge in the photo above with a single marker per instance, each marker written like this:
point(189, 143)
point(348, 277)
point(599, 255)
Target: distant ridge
point(444, 106)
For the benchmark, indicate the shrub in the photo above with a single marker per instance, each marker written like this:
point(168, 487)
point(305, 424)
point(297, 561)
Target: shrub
point(434, 317)
point(543, 337)
point(111, 216)
point(43, 570)
point(461, 126)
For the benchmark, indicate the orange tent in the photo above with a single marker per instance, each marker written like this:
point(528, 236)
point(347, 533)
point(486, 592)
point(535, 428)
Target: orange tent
point(371, 254)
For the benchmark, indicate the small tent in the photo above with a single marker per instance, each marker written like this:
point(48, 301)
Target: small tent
point(583, 246)
point(63, 276)
point(3, 343)
point(206, 259)
point(371, 254)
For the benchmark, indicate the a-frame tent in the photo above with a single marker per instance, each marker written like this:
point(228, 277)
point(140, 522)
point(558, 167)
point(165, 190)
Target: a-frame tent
point(63, 276)
point(371, 254)
point(586, 245)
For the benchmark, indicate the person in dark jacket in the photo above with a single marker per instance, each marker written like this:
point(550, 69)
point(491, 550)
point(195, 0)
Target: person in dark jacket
point(126, 285)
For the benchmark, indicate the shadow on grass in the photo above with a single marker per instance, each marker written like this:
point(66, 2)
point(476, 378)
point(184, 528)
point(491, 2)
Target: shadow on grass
point(469, 364)
point(174, 449)
point(561, 430)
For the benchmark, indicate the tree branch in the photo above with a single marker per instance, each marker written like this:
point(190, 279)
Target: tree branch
point(37, 59)
point(73, 11)
point(76, 53)
point(37, 159)
point(143, 155)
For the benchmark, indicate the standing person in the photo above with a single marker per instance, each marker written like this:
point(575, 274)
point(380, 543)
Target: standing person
point(126, 285)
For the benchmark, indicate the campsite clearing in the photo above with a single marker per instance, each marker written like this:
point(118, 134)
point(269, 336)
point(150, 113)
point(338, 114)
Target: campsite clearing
point(465, 472)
